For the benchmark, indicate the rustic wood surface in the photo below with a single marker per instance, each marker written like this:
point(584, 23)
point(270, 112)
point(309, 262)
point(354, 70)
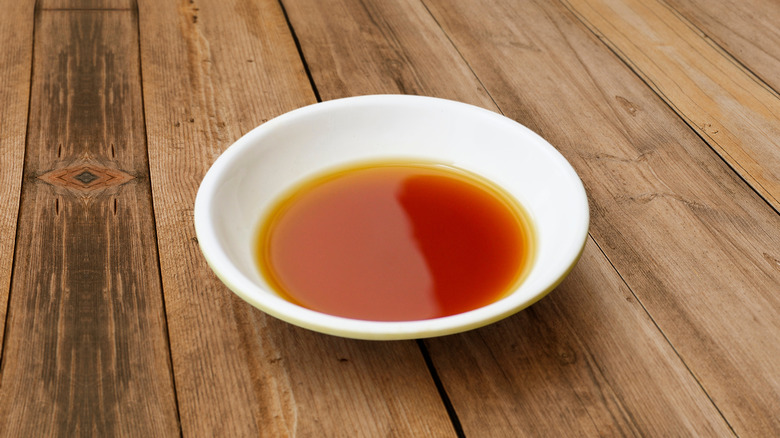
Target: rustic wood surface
point(86, 351)
point(16, 32)
point(111, 112)
point(281, 380)
point(746, 29)
point(690, 240)
point(403, 35)
point(725, 103)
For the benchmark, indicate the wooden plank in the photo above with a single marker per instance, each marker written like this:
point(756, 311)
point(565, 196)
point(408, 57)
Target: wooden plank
point(86, 350)
point(16, 33)
point(86, 4)
point(746, 29)
point(696, 246)
point(585, 361)
point(354, 48)
point(567, 366)
point(726, 104)
point(212, 71)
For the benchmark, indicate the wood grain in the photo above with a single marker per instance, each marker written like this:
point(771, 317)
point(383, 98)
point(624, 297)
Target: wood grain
point(85, 349)
point(746, 29)
point(363, 47)
point(725, 103)
point(86, 4)
point(212, 71)
point(697, 247)
point(585, 361)
point(16, 33)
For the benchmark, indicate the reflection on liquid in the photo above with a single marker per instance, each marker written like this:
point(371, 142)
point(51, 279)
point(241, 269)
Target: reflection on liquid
point(468, 239)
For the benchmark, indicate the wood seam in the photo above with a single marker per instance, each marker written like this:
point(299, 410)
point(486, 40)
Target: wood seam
point(4, 332)
point(668, 341)
point(721, 152)
point(166, 331)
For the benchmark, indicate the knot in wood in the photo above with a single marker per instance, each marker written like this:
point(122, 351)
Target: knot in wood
point(86, 177)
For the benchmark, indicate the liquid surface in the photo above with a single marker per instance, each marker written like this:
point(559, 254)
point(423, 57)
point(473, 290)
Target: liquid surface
point(395, 242)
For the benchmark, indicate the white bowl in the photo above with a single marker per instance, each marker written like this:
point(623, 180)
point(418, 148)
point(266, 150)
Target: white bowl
point(267, 161)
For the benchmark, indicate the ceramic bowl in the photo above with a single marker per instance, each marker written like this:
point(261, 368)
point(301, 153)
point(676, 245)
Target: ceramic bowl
point(252, 173)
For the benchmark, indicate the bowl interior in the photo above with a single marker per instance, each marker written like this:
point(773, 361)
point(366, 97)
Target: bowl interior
point(262, 165)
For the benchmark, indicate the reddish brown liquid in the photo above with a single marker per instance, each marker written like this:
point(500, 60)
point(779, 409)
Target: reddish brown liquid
point(395, 243)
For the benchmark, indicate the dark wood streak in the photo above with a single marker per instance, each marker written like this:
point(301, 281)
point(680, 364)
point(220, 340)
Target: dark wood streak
point(86, 177)
point(684, 232)
point(86, 350)
point(589, 359)
point(238, 371)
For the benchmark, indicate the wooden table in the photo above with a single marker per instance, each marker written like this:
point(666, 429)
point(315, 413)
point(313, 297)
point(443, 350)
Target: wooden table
point(112, 111)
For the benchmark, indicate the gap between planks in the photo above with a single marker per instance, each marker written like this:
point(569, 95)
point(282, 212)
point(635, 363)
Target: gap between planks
point(264, 375)
point(724, 155)
point(590, 236)
point(341, 82)
point(751, 73)
point(445, 399)
point(742, 136)
point(668, 341)
point(300, 52)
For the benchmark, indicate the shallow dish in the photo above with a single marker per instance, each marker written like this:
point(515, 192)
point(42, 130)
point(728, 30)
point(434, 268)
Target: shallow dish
point(250, 175)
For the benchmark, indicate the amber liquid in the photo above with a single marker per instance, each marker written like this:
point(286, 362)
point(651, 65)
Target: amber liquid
point(395, 242)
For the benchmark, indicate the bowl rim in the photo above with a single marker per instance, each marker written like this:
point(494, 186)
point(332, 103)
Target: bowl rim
point(274, 305)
